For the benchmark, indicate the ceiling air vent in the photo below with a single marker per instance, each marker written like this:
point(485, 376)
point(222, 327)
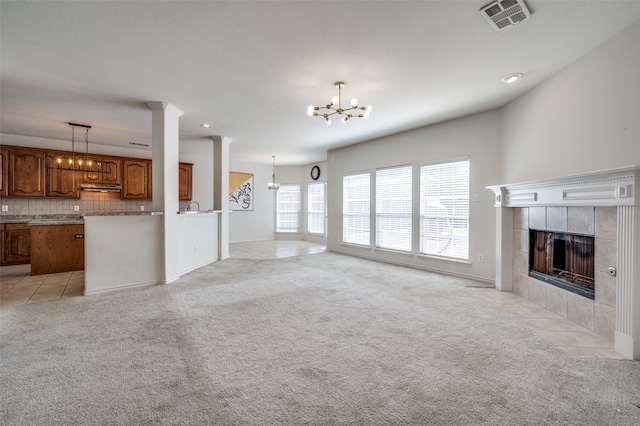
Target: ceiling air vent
point(505, 13)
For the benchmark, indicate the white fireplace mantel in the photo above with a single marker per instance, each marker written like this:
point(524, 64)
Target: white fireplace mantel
point(614, 188)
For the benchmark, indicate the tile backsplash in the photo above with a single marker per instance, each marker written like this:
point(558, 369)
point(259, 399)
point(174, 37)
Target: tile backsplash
point(90, 202)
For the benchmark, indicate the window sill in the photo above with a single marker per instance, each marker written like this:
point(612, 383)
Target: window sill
point(443, 258)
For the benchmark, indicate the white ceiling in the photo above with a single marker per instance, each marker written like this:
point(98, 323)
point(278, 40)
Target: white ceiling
point(251, 68)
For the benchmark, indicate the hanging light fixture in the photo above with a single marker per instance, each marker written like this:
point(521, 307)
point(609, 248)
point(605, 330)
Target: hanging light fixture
point(335, 107)
point(79, 165)
point(273, 184)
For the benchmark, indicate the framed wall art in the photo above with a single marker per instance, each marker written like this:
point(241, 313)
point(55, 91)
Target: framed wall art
point(240, 191)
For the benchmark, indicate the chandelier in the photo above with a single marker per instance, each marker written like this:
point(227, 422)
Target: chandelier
point(335, 107)
point(79, 165)
point(273, 184)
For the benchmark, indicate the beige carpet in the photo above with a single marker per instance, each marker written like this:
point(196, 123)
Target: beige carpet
point(321, 339)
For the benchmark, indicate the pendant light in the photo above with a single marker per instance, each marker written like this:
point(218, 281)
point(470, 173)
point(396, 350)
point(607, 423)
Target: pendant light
point(273, 184)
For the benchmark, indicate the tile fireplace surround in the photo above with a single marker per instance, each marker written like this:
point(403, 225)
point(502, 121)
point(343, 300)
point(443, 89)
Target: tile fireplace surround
point(605, 204)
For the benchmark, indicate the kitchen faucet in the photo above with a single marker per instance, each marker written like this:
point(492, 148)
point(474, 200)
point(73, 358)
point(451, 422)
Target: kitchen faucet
point(191, 202)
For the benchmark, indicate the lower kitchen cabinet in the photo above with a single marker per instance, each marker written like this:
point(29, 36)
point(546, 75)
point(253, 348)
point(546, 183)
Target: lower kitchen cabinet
point(57, 248)
point(16, 244)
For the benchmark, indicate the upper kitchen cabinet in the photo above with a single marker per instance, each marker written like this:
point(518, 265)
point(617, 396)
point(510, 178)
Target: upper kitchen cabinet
point(26, 173)
point(61, 183)
point(185, 179)
point(104, 170)
point(3, 172)
point(136, 179)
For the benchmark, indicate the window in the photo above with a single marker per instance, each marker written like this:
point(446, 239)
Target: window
point(393, 208)
point(444, 209)
point(315, 208)
point(355, 208)
point(288, 209)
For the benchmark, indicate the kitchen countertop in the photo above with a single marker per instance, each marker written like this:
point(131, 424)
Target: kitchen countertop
point(64, 219)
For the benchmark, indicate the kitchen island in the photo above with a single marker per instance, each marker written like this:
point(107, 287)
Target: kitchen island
point(55, 242)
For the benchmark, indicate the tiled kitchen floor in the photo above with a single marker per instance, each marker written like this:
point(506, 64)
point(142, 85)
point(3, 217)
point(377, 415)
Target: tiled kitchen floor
point(17, 287)
point(566, 335)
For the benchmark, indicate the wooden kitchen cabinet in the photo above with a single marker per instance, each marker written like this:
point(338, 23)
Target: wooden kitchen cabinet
point(57, 248)
point(3, 172)
point(185, 181)
point(111, 171)
point(136, 179)
point(26, 173)
point(61, 183)
point(33, 173)
point(16, 244)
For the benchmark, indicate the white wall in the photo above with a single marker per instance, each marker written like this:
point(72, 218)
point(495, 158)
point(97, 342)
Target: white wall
point(122, 251)
point(258, 224)
point(34, 142)
point(198, 245)
point(585, 118)
point(476, 136)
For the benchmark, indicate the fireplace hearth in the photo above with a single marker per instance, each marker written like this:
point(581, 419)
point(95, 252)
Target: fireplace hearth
point(564, 260)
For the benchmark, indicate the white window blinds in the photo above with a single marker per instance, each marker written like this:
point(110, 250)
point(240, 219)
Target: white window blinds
point(393, 208)
point(315, 208)
point(444, 209)
point(288, 209)
point(355, 208)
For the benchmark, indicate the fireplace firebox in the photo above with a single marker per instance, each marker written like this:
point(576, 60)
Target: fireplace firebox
point(564, 260)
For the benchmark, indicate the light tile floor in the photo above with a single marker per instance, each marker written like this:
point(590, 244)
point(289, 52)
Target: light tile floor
point(273, 249)
point(17, 287)
point(566, 335)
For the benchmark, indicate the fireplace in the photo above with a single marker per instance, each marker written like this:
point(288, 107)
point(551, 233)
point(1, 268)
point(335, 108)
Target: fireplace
point(605, 204)
point(564, 260)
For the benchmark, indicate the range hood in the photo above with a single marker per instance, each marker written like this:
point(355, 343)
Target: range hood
point(100, 187)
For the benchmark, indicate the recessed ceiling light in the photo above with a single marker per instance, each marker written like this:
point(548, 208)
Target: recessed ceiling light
point(205, 125)
point(510, 78)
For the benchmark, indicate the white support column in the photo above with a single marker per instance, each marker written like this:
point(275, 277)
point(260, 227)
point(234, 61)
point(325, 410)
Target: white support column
point(221, 192)
point(504, 241)
point(627, 335)
point(165, 155)
point(504, 249)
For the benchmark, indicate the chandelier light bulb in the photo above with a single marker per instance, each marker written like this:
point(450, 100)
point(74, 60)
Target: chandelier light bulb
point(335, 100)
point(354, 102)
point(365, 115)
point(369, 108)
point(328, 120)
point(310, 110)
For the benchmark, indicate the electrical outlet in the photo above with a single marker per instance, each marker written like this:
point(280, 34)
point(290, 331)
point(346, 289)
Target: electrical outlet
point(481, 258)
point(141, 208)
point(76, 208)
point(5, 208)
